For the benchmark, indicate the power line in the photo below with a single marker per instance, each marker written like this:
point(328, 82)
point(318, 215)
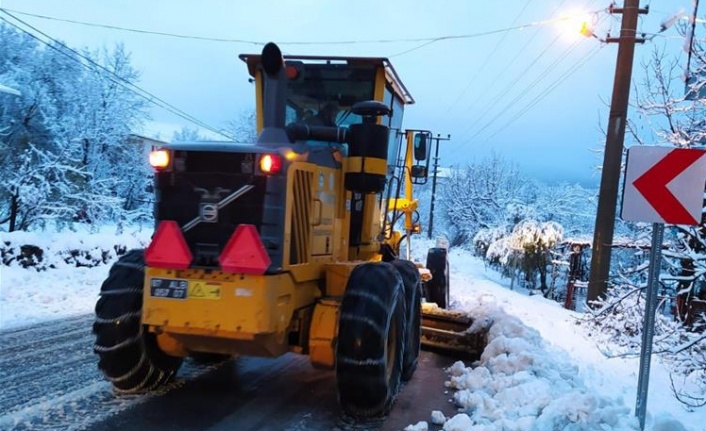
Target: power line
point(505, 91)
point(510, 105)
point(117, 79)
point(529, 88)
point(133, 30)
point(255, 42)
point(547, 91)
point(487, 60)
point(503, 70)
point(512, 84)
point(429, 41)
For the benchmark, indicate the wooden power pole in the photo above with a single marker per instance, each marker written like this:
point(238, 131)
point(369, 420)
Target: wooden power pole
point(613, 154)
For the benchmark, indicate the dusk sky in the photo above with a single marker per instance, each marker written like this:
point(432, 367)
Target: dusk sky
point(517, 84)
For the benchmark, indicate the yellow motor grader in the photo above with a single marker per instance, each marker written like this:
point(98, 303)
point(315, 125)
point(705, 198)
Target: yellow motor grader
point(290, 243)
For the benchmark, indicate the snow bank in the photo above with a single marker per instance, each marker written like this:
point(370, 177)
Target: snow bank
point(54, 250)
point(520, 383)
point(64, 278)
point(542, 372)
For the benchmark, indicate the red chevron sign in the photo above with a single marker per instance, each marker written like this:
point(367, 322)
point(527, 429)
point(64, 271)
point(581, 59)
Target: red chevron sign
point(664, 185)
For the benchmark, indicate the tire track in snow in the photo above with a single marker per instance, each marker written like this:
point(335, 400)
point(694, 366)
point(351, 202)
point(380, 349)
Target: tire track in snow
point(50, 378)
point(37, 346)
point(30, 334)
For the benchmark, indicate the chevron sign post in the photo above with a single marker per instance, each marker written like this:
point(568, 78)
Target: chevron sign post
point(662, 185)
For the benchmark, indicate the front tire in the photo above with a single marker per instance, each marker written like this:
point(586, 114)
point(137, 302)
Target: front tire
point(413, 299)
point(129, 357)
point(371, 340)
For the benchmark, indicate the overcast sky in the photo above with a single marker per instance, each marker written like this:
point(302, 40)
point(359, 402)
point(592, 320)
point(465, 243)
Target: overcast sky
point(534, 94)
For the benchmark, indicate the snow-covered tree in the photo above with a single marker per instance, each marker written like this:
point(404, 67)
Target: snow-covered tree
point(476, 197)
point(187, 134)
point(672, 113)
point(31, 160)
point(526, 249)
point(64, 147)
point(243, 128)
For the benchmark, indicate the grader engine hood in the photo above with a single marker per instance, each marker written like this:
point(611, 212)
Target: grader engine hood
point(218, 208)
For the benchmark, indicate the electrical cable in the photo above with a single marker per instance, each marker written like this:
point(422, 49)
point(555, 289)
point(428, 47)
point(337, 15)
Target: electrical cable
point(426, 40)
point(513, 83)
point(487, 60)
point(508, 66)
point(462, 141)
point(548, 90)
point(77, 56)
point(429, 41)
point(529, 88)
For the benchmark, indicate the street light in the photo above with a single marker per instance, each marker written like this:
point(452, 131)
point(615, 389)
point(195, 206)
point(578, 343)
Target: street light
point(576, 24)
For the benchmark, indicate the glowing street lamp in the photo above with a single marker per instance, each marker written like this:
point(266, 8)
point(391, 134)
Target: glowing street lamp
point(573, 25)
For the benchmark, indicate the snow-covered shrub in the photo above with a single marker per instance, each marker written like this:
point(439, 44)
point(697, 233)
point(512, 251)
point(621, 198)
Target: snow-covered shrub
point(48, 250)
point(526, 249)
point(485, 237)
point(617, 326)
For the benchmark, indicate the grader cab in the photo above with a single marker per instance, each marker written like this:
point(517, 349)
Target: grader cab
point(286, 244)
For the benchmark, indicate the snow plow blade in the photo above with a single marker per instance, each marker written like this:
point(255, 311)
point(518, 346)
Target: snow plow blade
point(453, 333)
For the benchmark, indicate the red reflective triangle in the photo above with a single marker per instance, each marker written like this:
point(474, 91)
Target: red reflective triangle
point(168, 248)
point(245, 253)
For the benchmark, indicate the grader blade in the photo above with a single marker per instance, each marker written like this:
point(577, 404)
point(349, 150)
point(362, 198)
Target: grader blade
point(452, 332)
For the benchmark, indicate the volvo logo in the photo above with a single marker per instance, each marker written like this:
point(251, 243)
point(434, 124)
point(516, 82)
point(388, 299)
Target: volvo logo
point(209, 213)
point(208, 195)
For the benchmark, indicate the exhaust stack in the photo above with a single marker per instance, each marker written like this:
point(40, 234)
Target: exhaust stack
point(274, 100)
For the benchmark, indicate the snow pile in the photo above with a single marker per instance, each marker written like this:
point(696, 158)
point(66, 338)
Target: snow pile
point(521, 384)
point(51, 249)
point(64, 287)
point(542, 371)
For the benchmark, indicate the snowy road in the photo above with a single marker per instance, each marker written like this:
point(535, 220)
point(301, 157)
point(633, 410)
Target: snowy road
point(49, 381)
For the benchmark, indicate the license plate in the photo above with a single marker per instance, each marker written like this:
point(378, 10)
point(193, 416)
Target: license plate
point(168, 288)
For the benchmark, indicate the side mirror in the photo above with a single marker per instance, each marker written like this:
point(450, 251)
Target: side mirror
point(419, 171)
point(420, 146)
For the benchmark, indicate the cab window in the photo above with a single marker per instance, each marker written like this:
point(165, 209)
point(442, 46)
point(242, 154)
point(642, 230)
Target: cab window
point(324, 94)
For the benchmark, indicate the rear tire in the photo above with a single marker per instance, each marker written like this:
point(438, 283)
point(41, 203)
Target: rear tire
point(437, 289)
point(129, 357)
point(413, 299)
point(371, 340)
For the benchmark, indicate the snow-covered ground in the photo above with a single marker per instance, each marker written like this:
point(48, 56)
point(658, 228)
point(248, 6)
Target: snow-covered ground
point(28, 296)
point(540, 372)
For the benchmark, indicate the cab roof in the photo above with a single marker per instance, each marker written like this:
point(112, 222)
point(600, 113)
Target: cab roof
point(253, 60)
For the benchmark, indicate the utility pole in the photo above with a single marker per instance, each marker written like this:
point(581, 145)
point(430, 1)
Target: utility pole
point(613, 154)
point(433, 182)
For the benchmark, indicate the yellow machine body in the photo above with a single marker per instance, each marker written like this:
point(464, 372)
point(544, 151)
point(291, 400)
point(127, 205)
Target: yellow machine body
point(295, 309)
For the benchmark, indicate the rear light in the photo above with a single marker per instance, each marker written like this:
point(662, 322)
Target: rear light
point(159, 159)
point(291, 71)
point(271, 164)
point(245, 253)
point(168, 248)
